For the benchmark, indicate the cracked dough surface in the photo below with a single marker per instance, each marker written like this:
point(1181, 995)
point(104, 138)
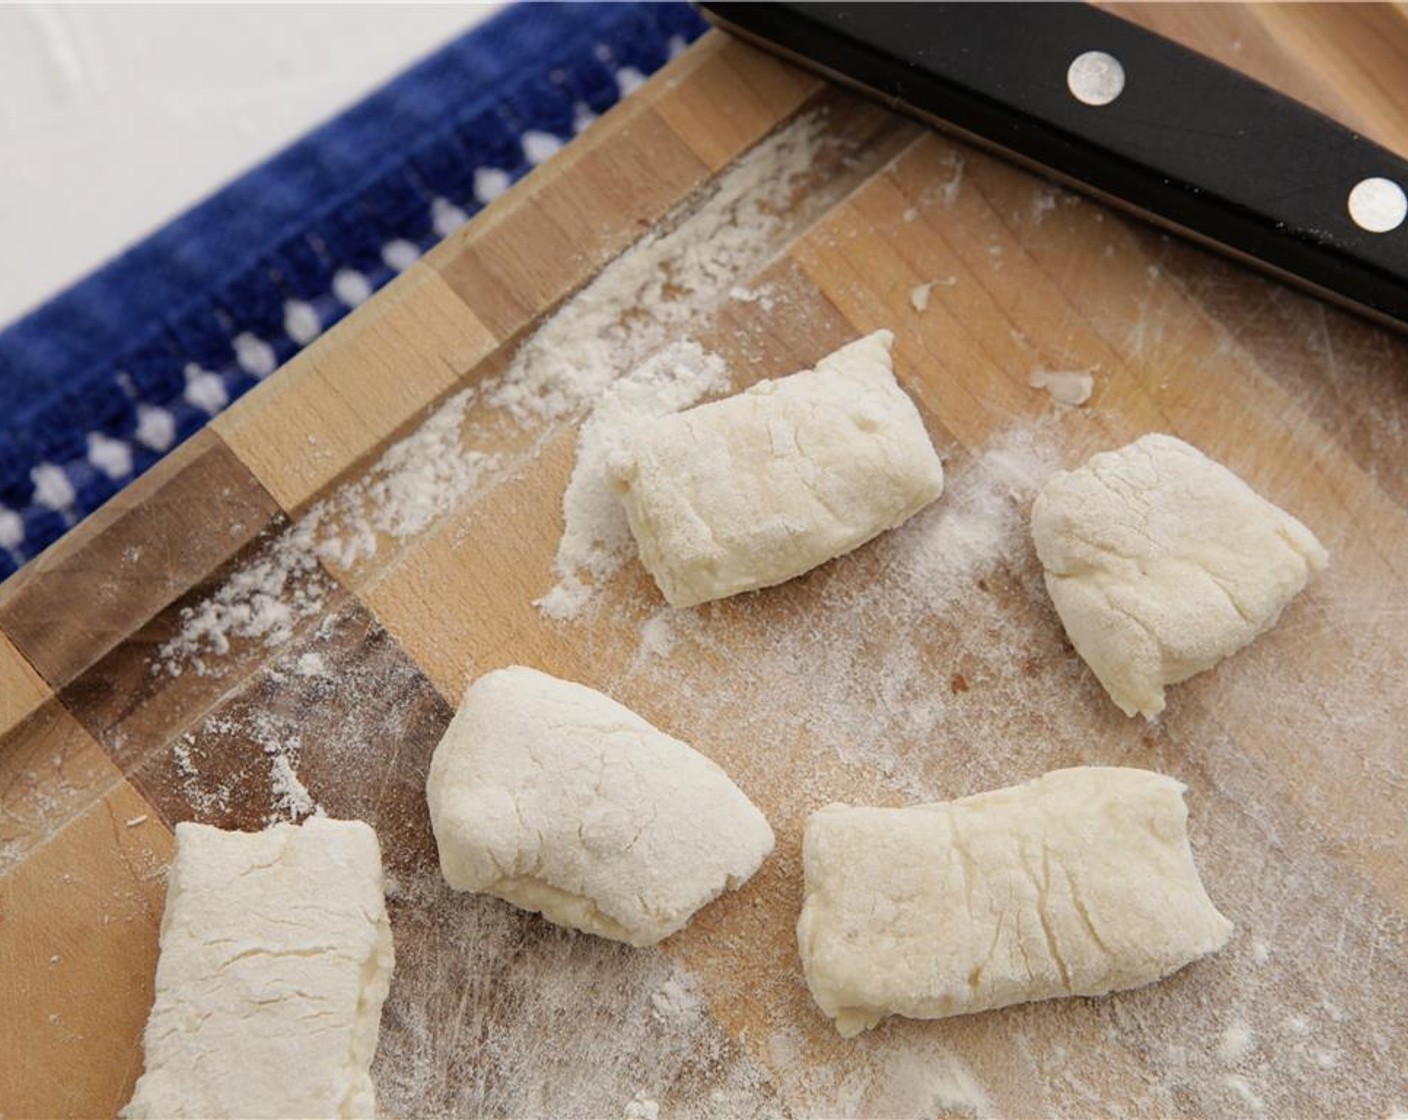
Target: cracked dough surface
point(554, 797)
point(755, 489)
point(1161, 562)
point(276, 957)
point(1080, 882)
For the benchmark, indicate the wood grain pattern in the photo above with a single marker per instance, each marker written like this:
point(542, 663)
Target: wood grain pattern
point(364, 761)
point(721, 101)
point(1347, 60)
point(144, 548)
point(522, 258)
point(22, 689)
point(50, 771)
point(892, 674)
point(340, 399)
point(78, 948)
point(136, 699)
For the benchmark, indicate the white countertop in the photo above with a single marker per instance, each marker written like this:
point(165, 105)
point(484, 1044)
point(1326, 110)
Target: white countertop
point(115, 119)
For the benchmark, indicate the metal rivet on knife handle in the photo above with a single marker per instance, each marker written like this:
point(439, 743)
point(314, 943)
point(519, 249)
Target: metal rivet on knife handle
point(1095, 78)
point(1378, 205)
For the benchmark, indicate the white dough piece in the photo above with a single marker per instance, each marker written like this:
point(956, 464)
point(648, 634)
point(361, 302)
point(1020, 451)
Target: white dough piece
point(276, 957)
point(760, 487)
point(1162, 562)
point(1080, 882)
point(554, 797)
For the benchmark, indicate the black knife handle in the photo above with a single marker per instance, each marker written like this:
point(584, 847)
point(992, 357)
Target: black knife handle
point(1187, 142)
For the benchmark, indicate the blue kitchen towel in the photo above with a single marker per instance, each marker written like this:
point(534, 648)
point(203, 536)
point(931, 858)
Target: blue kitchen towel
point(102, 381)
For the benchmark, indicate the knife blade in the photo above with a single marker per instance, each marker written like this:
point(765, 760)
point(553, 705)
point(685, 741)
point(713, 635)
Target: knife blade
point(1131, 117)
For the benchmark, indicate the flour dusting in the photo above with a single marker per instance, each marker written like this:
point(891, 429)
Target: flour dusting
point(206, 797)
point(663, 283)
point(657, 633)
point(697, 259)
point(1066, 386)
point(1236, 1043)
point(292, 801)
point(596, 537)
point(642, 1107)
point(921, 295)
point(495, 1012)
point(864, 644)
point(310, 665)
point(263, 601)
point(418, 480)
point(289, 799)
point(930, 665)
point(677, 1002)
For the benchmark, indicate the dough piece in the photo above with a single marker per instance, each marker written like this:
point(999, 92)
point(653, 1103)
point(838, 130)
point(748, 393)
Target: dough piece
point(755, 489)
point(276, 957)
point(1162, 562)
point(558, 799)
point(1080, 882)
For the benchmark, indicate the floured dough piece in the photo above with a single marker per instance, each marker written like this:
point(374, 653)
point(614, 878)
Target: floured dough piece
point(1162, 562)
point(276, 957)
point(558, 799)
point(760, 487)
point(1080, 882)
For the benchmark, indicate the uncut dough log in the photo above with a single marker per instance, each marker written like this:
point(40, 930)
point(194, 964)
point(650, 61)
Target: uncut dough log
point(276, 957)
point(1080, 882)
point(755, 489)
point(1162, 562)
point(554, 797)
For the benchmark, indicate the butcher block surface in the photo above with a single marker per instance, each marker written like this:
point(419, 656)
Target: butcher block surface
point(280, 617)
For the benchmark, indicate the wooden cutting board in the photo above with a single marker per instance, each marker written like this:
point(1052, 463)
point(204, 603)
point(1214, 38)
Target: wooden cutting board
point(927, 665)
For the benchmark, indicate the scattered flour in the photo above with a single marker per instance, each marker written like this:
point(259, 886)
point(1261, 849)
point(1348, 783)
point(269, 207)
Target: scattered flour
point(310, 665)
point(292, 801)
point(920, 295)
point(864, 648)
point(608, 349)
point(761, 294)
point(1069, 387)
point(1244, 1092)
point(418, 480)
point(262, 601)
point(663, 283)
point(289, 798)
point(676, 1001)
point(657, 633)
point(693, 262)
point(1043, 202)
point(596, 537)
point(918, 1078)
point(642, 1107)
point(1236, 1043)
point(925, 1081)
point(495, 1012)
point(181, 752)
point(205, 800)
